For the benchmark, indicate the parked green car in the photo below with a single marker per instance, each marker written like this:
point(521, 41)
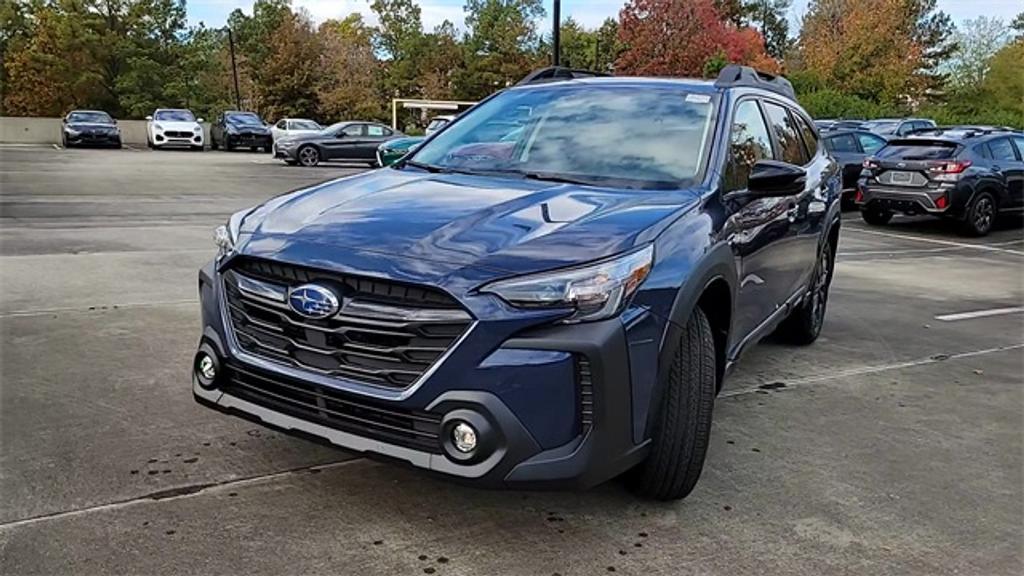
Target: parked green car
point(389, 152)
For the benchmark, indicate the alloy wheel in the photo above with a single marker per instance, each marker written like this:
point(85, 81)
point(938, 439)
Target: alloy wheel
point(819, 292)
point(983, 213)
point(309, 156)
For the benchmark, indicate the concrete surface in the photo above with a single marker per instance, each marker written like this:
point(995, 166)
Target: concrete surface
point(892, 446)
point(21, 130)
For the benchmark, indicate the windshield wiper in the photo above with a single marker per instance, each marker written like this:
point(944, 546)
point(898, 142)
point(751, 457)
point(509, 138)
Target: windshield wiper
point(550, 177)
point(422, 166)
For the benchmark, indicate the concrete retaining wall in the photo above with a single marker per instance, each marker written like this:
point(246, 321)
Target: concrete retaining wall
point(16, 130)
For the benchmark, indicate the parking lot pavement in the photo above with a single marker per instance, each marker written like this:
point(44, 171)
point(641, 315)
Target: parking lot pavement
point(892, 446)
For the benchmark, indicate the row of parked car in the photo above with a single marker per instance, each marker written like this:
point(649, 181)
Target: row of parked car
point(890, 165)
point(295, 140)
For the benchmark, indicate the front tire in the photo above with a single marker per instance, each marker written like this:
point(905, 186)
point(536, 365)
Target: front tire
point(981, 215)
point(682, 426)
point(308, 156)
point(876, 216)
point(804, 323)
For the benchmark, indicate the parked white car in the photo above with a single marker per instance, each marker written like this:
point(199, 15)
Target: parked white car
point(174, 127)
point(438, 122)
point(286, 127)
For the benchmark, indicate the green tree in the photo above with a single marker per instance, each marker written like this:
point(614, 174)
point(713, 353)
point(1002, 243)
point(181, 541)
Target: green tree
point(501, 44)
point(1004, 84)
point(400, 38)
point(442, 58)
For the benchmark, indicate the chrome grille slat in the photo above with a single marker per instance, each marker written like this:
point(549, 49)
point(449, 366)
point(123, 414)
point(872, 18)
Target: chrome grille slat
point(379, 337)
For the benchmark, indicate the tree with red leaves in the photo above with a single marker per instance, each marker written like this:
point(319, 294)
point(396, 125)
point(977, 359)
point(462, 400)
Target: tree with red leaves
point(681, 38)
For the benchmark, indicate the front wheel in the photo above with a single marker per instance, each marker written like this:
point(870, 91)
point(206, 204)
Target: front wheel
point(876, 216)
point(309, 156)
point(804, 323)
point(980, 216)
point(682, 426)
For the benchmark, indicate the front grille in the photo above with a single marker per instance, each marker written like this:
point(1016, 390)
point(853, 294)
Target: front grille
point(334, 409)
point(177, 134)
point(386, 334)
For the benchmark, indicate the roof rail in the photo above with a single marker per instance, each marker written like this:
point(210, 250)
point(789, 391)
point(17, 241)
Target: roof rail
point(969, 131)
point(556, 74)
point(736, 75)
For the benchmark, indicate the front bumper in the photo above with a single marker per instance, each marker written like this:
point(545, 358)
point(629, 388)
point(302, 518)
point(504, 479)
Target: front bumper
point(249, 140)
point(93, 139)
point(161, 139)
point(554, 404)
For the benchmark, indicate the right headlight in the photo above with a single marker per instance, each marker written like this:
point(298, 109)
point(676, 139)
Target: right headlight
point(226, 235)
point(595, 291)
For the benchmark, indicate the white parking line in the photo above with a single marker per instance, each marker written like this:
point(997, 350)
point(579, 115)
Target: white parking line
point(986, 247)
point(979, 314)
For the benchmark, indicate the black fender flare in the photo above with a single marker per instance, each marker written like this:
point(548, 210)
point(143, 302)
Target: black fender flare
point(717, 265)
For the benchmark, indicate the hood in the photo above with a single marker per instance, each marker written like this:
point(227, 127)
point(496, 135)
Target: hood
point(249, 128)
point(168, 125)
point(421, 227)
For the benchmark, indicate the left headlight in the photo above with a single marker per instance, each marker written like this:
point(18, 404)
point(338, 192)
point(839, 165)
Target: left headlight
point(226, 235)
point(596, 291)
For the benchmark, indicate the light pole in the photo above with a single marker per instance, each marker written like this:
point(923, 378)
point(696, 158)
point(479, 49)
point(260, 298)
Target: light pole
point(234, 69)
point(556, 33)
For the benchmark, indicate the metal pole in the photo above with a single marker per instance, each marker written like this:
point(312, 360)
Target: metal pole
point(555, 34)
point(234, 70)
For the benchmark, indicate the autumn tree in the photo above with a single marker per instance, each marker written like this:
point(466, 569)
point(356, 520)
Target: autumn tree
point(350, 80)
point(288, 78)
point(679, 37)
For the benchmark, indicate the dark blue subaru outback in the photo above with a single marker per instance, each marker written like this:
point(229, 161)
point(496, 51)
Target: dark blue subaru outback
point(546, 293)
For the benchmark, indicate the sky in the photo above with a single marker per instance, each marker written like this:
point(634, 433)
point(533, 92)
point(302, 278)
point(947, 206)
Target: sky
point(589, 12)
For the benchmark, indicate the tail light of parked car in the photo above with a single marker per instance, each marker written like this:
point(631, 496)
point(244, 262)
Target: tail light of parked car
point(948, 171)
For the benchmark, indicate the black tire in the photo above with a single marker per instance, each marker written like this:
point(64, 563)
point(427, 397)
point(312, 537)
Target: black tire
point(213, 144)
point(196, 148)
point(308, 155)
point(682, 426)
point(254, 148)
point(291, 162)
point(149, 144)
point(981, 215)
point(64, 141)
point(804, 323)
point(228, 146)
point(876, 216)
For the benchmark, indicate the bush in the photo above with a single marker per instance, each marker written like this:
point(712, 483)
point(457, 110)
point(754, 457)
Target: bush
point(829, 103)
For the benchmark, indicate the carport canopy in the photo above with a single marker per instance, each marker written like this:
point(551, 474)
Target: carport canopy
point(452, 105)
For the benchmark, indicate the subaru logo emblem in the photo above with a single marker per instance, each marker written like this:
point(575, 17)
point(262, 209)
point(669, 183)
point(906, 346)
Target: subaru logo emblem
point(313, 301)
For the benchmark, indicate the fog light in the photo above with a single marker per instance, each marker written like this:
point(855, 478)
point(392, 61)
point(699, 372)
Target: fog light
point(207, 368)
point(464, 437)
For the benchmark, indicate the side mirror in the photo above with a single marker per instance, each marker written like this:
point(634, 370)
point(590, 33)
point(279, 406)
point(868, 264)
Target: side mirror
point(199, 119)
point(149, 118)
point(772, 178)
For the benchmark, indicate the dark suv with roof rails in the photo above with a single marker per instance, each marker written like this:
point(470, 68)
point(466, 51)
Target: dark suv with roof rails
point(966, 174)
point(548, 292)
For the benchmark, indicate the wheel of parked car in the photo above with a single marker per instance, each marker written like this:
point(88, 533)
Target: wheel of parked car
point(804, 323)
point(683, 424)
point(981, 216)
point(876, 216)
point(309, 155)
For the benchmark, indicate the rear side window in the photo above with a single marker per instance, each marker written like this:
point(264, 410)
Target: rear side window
point(374, 130)
point(1019, 141)
point(748, 143)
point(791, 148)
point(914, 149)
point(870, 143)
point(841, 143)
point(1001, 149)
point(810, 137)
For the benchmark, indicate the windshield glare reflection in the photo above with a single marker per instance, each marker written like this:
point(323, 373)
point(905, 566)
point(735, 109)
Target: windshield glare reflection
point(608, 135)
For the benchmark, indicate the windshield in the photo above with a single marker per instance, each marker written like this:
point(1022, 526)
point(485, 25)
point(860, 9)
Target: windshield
point(882, 127)
point(174, 116)
point(918, 150)
point(437, 123)
point(610, 135)
point(94, 117)
point(305, 125)
point(247, 119)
